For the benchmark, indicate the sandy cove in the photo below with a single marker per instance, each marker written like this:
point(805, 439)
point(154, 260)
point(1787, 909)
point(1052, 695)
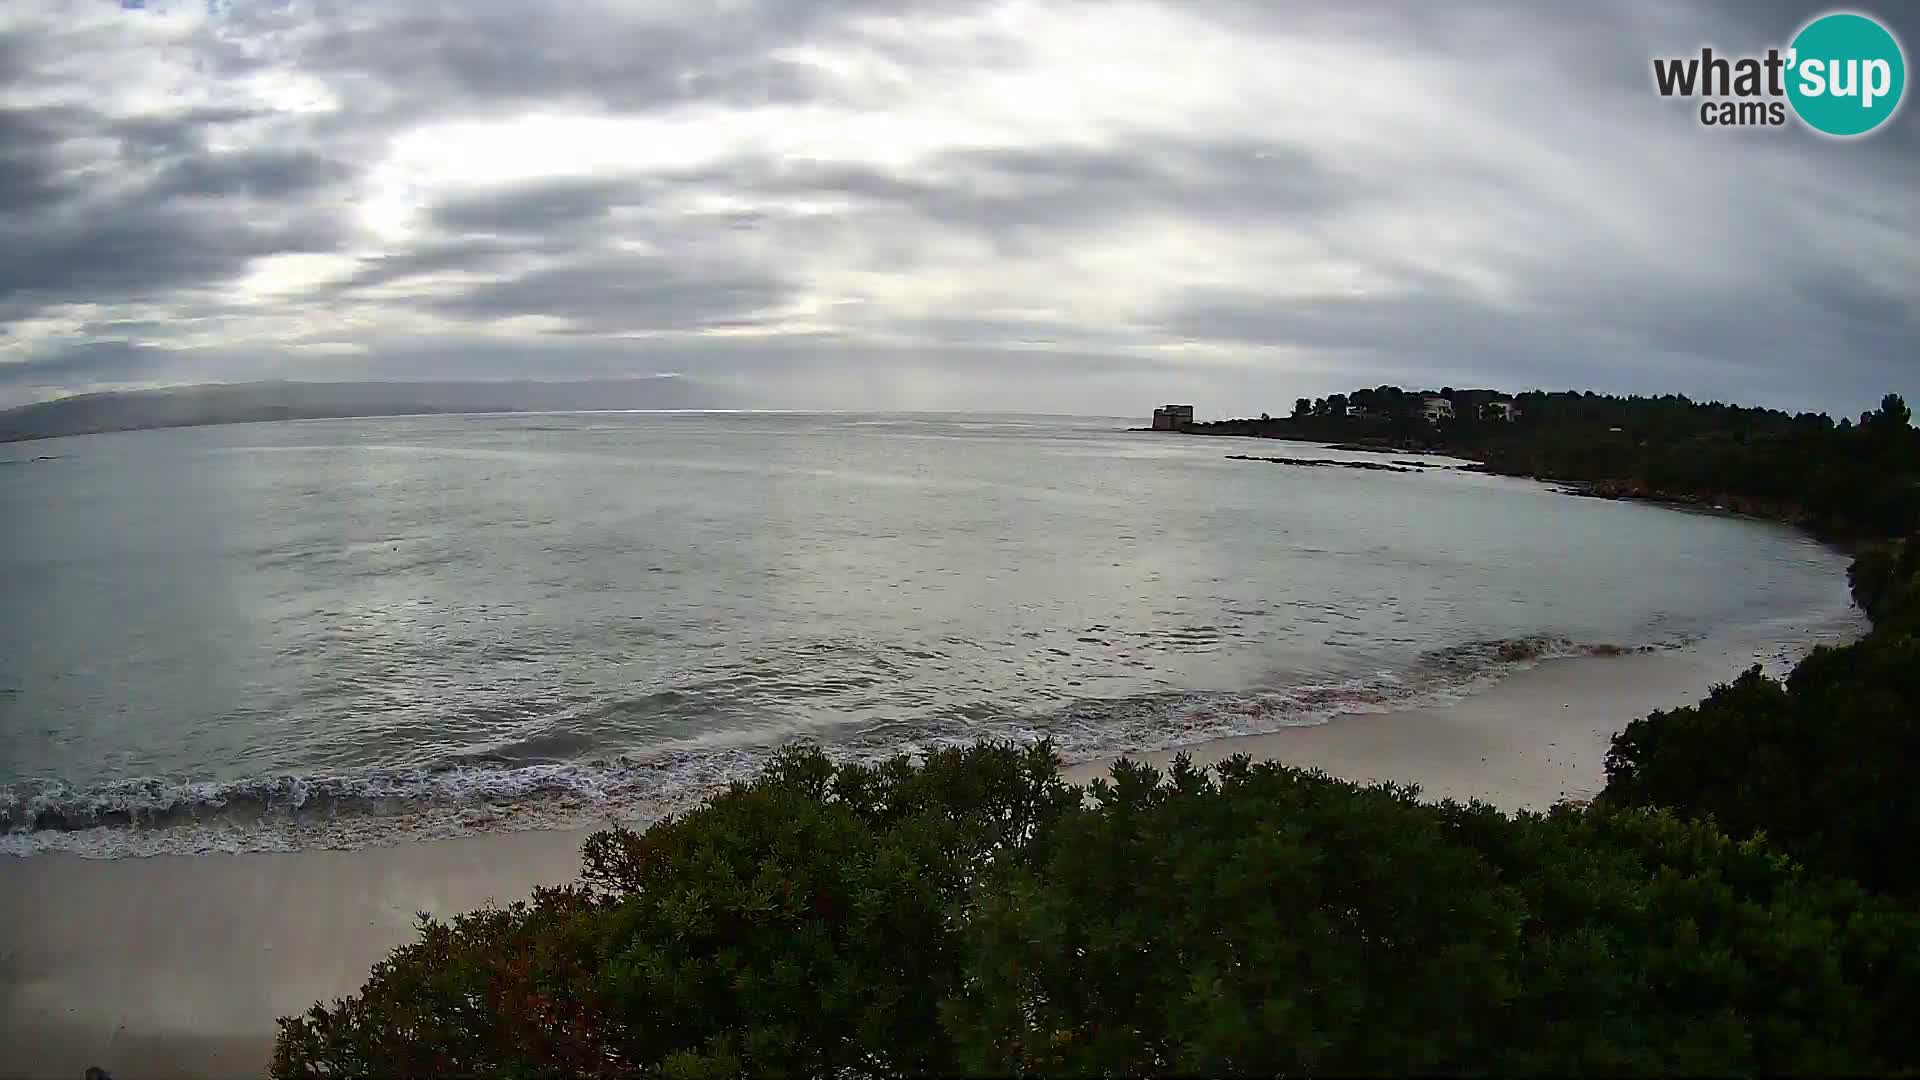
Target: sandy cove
point(177, 965)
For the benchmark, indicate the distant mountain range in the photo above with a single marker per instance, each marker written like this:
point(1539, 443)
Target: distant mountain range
point(240, 403)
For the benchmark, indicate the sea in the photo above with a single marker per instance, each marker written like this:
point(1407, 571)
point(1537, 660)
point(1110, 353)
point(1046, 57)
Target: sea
point(337, 633)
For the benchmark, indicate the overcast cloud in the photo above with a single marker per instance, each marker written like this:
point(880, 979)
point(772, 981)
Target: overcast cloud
point(1069, 207)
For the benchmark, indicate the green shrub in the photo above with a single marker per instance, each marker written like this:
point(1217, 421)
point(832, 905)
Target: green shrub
point(1823, 763)
point(807, 922)
point(1284, 922)
point(976, 915)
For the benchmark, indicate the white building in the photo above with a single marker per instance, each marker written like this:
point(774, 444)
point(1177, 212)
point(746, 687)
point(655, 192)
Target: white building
point(1436, 408)
point(1499, 410)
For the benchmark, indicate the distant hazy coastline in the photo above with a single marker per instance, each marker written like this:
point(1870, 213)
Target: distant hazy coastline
point(254, 402)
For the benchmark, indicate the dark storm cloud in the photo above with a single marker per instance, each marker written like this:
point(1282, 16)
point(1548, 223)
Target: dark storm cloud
point(1002, 195)
point(991, 330)
point(1063, 188)
point(1623, 335)
point(30, 175)
point(480, 56)
point(99, 209)
point(533, 208)
point(88, 362)
point(161, 139)
point(270, 173)
point(1435, 320)
point(467, 253)
point(988, 190)
point(129, 248)
point(623, 293)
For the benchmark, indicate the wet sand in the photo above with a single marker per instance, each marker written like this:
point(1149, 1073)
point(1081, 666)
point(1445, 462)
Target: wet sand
point(177, 965)
point(1536, 738)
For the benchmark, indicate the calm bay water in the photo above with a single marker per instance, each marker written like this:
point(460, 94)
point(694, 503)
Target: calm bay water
point(325, 631)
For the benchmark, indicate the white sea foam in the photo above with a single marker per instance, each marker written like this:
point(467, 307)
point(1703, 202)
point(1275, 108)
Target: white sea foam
point(358, 809)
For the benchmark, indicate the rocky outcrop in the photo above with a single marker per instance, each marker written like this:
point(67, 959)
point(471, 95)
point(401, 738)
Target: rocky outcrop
point(1771, 509)
point(1370, 466)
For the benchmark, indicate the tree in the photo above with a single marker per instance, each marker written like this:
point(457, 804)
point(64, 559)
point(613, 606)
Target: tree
point(1893, 415)
point(1843, 481)
point(1818, 763)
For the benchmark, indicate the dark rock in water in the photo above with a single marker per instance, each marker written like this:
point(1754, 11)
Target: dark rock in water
point(95, 1072)
point(1324, 463)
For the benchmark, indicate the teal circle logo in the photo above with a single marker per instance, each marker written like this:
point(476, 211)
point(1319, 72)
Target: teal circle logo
point(1845, 74)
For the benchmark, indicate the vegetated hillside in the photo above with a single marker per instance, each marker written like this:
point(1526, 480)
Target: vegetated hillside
point(1841, 479)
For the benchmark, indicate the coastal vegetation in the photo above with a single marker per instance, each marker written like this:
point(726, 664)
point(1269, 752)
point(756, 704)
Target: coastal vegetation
point(1818, 763)
point(975, 915)
point(1821, 764)
point(1739, 898)
point(1844, 480)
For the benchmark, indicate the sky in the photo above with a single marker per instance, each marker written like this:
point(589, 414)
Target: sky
point(934, 204)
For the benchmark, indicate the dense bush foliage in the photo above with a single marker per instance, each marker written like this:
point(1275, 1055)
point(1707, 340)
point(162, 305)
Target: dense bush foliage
point(975, 915)
point(1886, 584)
point(1278, 921)
point(807, 922)
point(1856, 480)
point(1823, 763)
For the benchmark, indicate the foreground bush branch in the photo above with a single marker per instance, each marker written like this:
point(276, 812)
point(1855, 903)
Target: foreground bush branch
point(974, 914)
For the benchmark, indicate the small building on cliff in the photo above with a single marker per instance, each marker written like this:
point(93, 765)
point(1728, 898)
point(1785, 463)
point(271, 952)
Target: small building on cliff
point(1172, 418)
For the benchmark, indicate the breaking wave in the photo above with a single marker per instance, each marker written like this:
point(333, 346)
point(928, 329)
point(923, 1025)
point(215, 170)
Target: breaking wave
point(498, 791)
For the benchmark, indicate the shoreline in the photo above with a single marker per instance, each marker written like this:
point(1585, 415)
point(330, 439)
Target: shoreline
point(346, 812)
point(1718, 505)
point(1537, 737)
point(179, 964)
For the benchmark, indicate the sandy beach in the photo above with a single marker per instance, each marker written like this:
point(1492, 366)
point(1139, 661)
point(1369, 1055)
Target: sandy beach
point(178, 965)
point(1534, 739)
